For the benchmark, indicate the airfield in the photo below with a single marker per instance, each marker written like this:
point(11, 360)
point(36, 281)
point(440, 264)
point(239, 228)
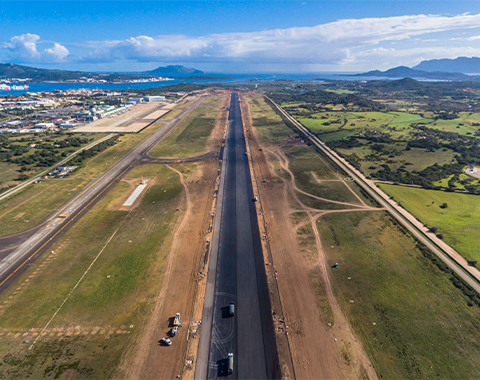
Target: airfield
point(223, 198)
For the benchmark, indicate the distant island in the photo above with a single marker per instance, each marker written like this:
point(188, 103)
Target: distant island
point(406, 72)
point(174, 70)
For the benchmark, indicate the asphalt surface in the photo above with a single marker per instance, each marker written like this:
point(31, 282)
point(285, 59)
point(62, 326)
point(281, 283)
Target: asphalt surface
point(18, 251)
point(240, 275)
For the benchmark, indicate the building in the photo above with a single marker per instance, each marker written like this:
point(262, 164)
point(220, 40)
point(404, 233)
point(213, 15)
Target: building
point(159, 98)
point(136, 100)
point(44, 125)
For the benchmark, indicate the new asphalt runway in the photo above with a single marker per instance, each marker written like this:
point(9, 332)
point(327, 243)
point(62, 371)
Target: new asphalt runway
point(239, 276)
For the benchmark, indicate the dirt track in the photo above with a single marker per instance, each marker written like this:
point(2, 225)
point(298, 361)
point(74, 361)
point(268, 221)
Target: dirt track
point(152, 360)
point(317, 350)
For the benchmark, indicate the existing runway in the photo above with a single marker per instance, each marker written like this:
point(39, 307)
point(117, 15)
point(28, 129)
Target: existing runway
point(18, 251)
point(240, 276)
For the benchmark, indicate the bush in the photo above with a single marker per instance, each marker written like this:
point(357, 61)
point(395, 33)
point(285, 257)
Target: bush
point(440, 236)
point(433, 229)
point(443, 205)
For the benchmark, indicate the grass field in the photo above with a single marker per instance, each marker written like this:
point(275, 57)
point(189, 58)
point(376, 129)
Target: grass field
point(395, 123)
point(32, 204)
point(414, 159)
point(268, 125)
point(114, 297)
point(414, 323)
point(458, 222)
point(191, 136)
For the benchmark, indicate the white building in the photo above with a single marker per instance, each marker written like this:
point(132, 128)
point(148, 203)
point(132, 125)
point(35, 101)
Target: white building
point(159, 98)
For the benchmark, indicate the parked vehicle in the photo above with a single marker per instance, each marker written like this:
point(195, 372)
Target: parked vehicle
point(230, 364)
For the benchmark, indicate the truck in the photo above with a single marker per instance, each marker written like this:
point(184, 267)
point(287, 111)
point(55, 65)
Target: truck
point(230, 364)
point(176, 321)
point(231, 309)
point(167, 341)
point(174, 330)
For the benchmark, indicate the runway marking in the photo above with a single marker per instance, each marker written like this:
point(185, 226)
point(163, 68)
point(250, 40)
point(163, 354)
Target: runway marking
point(61, 229)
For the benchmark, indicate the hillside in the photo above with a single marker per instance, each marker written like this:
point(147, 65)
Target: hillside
point(406, 72)
point(11, 70)
point(174, 70)
point(457, 65)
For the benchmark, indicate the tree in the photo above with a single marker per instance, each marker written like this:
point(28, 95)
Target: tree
point(433, 229)
point(443, 205)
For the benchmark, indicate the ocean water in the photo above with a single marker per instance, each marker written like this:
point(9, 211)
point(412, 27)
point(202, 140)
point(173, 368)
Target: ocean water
point(39, 87)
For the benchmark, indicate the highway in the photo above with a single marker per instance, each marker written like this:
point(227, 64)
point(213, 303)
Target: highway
point(400, 214)
point(18, 251)
point(237, 274)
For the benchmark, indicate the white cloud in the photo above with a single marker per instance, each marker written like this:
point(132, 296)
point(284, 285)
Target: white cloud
point(322, 44)
point(346, 44)
point(24, 49)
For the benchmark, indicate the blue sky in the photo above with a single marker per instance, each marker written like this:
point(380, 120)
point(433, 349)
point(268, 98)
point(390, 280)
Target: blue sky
point(237, 36)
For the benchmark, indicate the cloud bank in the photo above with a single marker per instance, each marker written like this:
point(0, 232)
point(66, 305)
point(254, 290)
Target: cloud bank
point(343, 42)
point(24, 49)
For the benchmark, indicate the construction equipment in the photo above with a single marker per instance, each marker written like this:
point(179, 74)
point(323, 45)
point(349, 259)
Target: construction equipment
point(176, 321)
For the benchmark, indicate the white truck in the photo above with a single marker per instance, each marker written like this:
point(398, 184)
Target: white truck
point(230, 364)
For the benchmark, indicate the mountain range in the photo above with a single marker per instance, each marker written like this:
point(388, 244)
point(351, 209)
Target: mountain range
point(407, 72)
point(458, 65)
point(11, 70)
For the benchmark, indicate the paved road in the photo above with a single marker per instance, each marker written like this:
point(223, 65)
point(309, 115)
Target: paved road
point(396, 211)
point(18, 251)
point(239, 276)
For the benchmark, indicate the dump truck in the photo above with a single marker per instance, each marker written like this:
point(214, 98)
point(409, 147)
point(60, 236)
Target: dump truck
point(230, 364)
point(176, 321)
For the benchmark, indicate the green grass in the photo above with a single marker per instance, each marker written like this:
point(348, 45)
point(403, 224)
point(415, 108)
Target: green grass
point(134, 260)
point(35, 202)
point(414, 323)
point(336, 135)
point(269, 126)
point(190, 137)
point(458, 222)
point(415, 159)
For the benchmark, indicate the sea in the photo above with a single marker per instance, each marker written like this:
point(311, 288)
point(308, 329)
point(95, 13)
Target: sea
point(234, 78)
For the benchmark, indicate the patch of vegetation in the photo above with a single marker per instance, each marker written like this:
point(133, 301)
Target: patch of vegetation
point(190, 137)
point(403, 307)
point(458, 222)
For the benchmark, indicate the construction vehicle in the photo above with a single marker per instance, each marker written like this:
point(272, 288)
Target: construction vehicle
point(174, 330)
point(230, 364)
point(176, 321)
point(231, 309)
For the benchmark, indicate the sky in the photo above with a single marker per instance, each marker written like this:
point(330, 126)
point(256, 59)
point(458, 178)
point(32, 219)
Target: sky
point(232, 36)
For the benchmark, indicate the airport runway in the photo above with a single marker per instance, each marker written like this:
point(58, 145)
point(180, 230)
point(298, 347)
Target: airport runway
point(18, 251)
point(240, 276)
